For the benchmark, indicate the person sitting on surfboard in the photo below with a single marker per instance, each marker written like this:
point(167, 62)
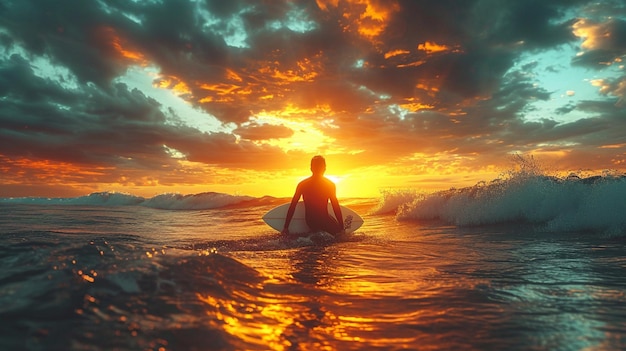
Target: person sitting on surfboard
point(316, 191)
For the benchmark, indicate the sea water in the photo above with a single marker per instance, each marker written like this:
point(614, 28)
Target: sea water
point(530, 263)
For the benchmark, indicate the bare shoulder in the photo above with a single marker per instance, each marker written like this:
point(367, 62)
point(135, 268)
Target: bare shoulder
point(305, 182)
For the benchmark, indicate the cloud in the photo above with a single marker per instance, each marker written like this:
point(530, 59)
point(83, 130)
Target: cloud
point(384, 82)
point(255, 131)
point(112, 133)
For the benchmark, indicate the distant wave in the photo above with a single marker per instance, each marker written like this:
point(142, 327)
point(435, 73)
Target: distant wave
point(170, 201)
point(554, 204)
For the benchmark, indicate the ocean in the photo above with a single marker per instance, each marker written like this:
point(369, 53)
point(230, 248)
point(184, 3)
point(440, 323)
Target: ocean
point(527, 263)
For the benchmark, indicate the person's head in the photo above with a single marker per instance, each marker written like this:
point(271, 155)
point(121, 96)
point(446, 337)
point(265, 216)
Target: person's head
point(318, 165)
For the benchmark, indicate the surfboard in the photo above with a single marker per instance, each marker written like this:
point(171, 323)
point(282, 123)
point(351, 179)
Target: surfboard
point(275, 218)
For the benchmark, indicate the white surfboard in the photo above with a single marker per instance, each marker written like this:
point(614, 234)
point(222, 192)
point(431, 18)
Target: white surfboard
point(275, 218)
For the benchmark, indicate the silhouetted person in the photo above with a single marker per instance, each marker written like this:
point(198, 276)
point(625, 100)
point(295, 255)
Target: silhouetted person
point(316, 191)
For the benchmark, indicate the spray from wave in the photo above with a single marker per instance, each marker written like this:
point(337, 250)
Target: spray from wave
point(525, 195)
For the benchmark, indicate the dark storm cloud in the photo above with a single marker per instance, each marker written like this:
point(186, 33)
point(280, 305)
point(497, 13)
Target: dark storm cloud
point(190, 46)
point(488, 35)
point(117, 127)
point(65, 31)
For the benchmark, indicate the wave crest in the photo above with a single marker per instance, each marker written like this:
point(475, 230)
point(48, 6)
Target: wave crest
point(569, 204)
point(202, 201)
point(170, 201)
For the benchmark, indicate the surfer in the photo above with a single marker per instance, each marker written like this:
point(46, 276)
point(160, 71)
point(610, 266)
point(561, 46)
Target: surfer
point(316, 191)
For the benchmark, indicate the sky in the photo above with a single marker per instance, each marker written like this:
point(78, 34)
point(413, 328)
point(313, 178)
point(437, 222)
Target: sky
point(158, 96)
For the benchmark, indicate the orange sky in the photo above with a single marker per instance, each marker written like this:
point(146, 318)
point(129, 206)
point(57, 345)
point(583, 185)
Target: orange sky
point(237, 97)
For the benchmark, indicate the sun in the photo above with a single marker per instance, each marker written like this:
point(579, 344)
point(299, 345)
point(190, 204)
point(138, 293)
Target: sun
point(334, 178)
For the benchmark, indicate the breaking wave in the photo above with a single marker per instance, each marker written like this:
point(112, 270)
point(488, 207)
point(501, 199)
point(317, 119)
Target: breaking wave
point(554, 204)
point(170, 201)
point(524, 195)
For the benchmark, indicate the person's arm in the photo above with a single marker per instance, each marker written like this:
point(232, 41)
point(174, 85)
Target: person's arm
point(336, 209)
point(292, 209)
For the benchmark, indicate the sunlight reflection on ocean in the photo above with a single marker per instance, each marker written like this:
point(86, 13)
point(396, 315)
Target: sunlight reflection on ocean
point(131, 277)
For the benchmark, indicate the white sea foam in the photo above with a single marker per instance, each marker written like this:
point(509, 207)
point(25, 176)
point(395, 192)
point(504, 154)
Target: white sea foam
point(392, 200)
point(595, 204)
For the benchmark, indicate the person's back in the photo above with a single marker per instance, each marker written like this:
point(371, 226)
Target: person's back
point(317, 191)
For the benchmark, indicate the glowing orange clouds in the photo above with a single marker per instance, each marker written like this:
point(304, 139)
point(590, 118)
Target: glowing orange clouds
point(396, 53)
point(225, 90)
point(369, 17)
point(265, 82)
point(591, 33)
point(304, 70)
point(373, 21)
point(432, 47)
point(220, 88)
point(51, 172)
point(121, 47)
point(323, 4)
point(232, 75)
point(602, 84)
point(613, 146)
point(413, 105)
point(607, 87)
point(173, 83)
